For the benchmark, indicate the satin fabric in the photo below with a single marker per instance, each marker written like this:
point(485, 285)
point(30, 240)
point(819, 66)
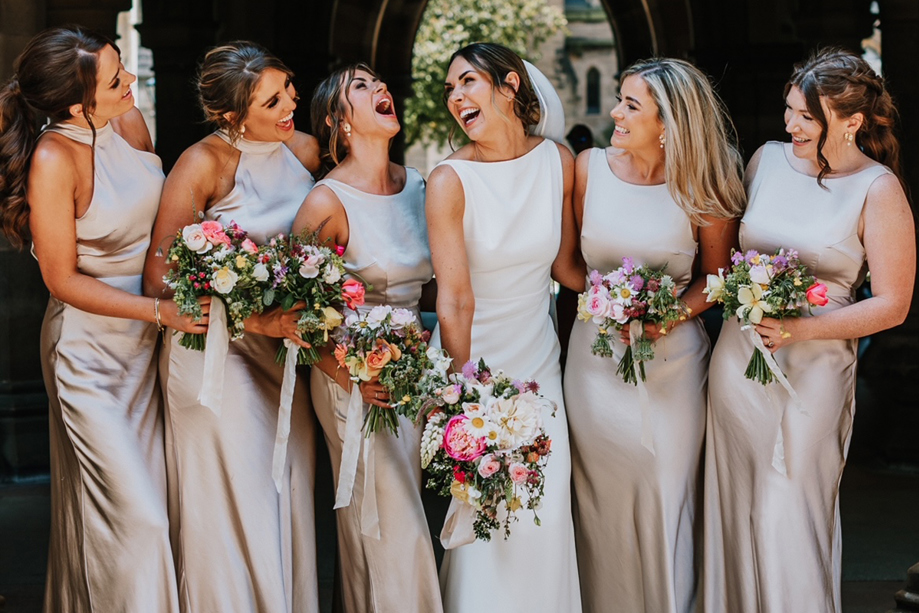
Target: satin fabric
point(512, 225)
point(388, 249)
point(773, 542)
point(636, 513)
point(240, 544)
point(109, 547)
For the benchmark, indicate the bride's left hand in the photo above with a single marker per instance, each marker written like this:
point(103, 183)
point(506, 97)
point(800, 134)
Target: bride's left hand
point(652, 333)
point(777, 333)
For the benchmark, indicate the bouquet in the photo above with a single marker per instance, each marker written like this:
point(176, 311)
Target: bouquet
point(215, 260)
point(758, 285)
point(484, 443)
point(630, 293)
point(308, 271)
point(389, 343)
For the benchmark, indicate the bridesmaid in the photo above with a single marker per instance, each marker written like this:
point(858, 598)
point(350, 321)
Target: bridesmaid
point(240, 545)
point(834, 193)
point(88, 188)
point(667, 193)
point(375, 209)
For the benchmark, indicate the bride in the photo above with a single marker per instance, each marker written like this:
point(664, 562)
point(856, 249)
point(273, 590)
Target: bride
point(497, 209)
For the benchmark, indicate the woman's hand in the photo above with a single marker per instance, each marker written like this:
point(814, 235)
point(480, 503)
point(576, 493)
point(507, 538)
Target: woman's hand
point(374, 393)
point(171, 318)
point(776, 333)
point(652, 333)
point(278, 323)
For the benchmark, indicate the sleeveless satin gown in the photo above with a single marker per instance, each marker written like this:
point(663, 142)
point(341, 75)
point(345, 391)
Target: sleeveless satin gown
point(109, 547)
point(241, 545)
point(512, 225)
point(773, 542)
point(397, 573)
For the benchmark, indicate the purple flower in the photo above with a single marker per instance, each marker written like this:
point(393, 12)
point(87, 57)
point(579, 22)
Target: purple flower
point(628, 265)
point(750, 255)
point(780, 262)
point(469, 370)
point(636, 282)
point(519, 385)
point(736, 258)
point(595, 277)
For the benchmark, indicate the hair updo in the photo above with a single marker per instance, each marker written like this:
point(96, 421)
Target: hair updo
point(849, 86)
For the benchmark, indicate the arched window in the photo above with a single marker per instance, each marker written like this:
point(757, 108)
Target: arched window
point(593, 91)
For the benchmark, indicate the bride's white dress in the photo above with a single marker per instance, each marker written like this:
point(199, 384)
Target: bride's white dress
point(512, 227)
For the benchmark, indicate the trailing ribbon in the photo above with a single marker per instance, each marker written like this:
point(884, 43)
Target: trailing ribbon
point(778, 451)
point(215, 357)
point(287, 401)
point(351, 447)
point(457, 530)
point(636, 329)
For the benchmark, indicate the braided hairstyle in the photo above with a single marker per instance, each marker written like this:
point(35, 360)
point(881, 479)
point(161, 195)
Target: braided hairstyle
point(56, 70)
point(849, 86)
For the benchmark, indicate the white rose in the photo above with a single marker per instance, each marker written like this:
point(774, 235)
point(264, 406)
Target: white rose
point(310, 267)
point(759, 274)
point(450, 394)
point(402, 318)
point(332, 275)
point(260, 272)
point(377, 315)
point(225, 280)
point(195, 240)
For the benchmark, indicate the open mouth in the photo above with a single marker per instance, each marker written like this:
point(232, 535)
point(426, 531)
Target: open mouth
point(468, 115)
point(127, 94)
point(287, 121)
point(621, 131)
point(384, 107)
point(800, 140)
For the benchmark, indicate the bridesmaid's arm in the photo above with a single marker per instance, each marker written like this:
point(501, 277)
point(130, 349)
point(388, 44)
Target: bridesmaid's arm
point(444, 207)
point(889, 237)
point(569, 268)
point(52, 188)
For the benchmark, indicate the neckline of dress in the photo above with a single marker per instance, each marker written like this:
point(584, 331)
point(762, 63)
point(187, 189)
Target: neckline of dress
point(785, 150)
point(516, 159)
point(81, 134)
point(620, 179)
point(369, 194)
point(250, 146)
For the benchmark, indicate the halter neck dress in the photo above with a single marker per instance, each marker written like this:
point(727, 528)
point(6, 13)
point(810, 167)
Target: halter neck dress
point(387, 248)
point(772, 541)
point(635, 511)
point(109, 547)
point(512, 229)
point(241, 545)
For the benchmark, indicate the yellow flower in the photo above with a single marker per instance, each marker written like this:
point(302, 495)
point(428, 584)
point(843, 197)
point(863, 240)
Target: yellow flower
point(797, 282)
point(241, 261)
point(175, 258)
point(514, 504)
point(756, 259)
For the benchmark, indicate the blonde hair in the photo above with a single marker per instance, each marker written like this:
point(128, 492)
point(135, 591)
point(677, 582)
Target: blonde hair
point(703, 167)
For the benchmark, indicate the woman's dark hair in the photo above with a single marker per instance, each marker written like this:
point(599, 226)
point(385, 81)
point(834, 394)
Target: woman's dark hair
point(56, 70)
point(496, 61)
point(849, 86)
point(329, 99)
point(227, 78)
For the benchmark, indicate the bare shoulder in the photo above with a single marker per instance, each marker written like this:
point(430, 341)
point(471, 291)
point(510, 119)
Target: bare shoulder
point(465, 153)
point(887, 195)
point(755, 159)
point(443, 179)
point(56, 155)
point(566, 155)
point(582, 162)
point(207, 155)
point(322, 202)
point(133, 129)
point(306, 148)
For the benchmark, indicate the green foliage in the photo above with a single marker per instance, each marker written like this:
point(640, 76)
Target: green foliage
point(448, 25)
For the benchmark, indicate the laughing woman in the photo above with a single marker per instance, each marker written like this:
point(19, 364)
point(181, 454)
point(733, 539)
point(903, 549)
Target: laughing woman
point(375, 209)
point(88, 189)
point(772, 539)
point(241, 545)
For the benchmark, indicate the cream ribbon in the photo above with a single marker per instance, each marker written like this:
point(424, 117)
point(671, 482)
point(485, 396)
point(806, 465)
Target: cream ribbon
point(457, 530)
point(778, 450)
point(636, 329)
point(287, 401)
point(215, 357)
point(351, 448)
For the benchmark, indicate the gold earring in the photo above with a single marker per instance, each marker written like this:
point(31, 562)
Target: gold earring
point(662, 139)
point(849, 137)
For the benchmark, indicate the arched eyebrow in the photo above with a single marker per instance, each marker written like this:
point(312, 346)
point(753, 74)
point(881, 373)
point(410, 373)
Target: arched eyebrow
point(459, 78)
point(633, 100)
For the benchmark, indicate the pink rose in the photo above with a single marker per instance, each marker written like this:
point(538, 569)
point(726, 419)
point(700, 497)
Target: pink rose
point(340, 249)
point(816, 294)
point(352, 292)
point(459, 444)
point(249, 247)
point(488, 466)
point(213, 231)
point(518, 472)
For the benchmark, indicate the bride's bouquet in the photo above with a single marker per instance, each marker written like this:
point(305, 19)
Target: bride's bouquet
point(390, 344)
point(630, 294)
point(484, 444)
point(760, 285)
point(215, 260)
point(314, 273)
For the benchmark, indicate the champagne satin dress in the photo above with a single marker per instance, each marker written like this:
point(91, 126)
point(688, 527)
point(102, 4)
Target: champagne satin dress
point(636, 511)
point(773, 541)
point(242, 546)
point(512, 225)
point(109, 547)
point(395, 573)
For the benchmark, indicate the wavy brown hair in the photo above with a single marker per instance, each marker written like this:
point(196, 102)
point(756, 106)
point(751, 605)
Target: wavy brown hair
point(849, 85)
point(56, 70)
point(227, 78)
point(329, 100)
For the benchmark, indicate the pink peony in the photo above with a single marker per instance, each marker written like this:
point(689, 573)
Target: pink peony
point(249, 247)
point(352, 292)
point(488, 466)
point(213, 231)
point(518, 472)
point(816, 294)
point(459, 444)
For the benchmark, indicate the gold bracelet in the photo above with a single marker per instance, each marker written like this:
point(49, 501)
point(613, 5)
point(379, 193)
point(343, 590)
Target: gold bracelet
point(156, 313)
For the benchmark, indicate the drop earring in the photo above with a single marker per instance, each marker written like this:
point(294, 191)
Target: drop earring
point(849, 137)
point(242, 129)
point(347, 128)
point(662, 139)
